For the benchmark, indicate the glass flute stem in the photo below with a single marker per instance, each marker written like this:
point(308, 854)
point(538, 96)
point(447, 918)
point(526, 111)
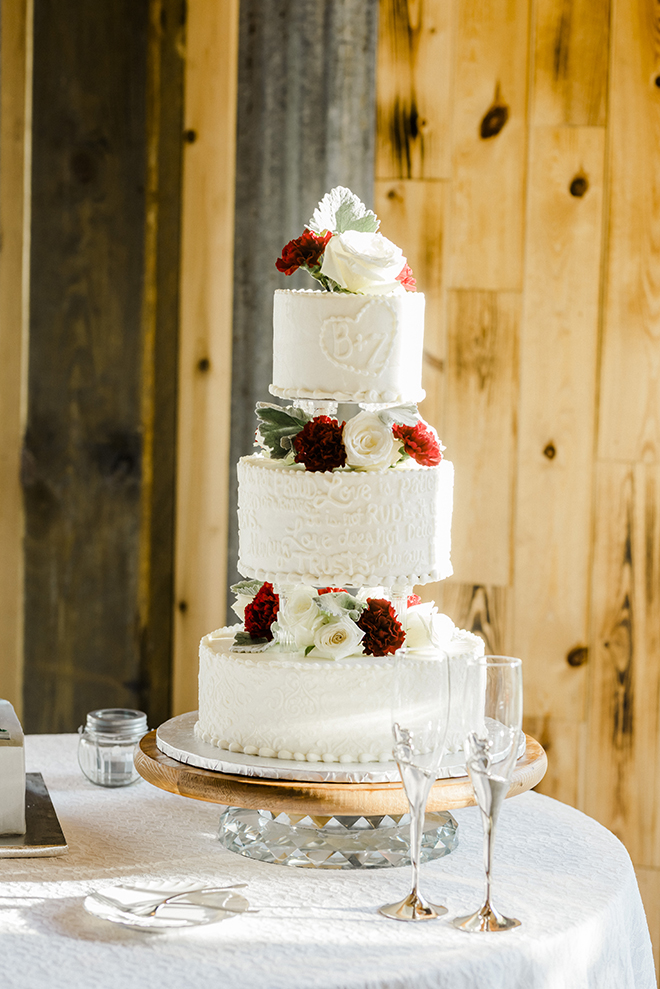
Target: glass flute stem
point(489, 837)
point(417, 785)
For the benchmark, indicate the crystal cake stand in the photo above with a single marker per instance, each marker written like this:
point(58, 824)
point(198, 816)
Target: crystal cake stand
point(310, 824)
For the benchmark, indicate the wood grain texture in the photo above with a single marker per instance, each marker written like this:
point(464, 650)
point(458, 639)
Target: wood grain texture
point(624, 721)
point(15, 147)
point(415, 214)
point(564, 742)
point(83, 445)
point(558, 354)
point(571, 54)
point(480, 430)
point(205, 337)
point(479, 609)
point(490, 99)
point(99, 446)
point(414, 89)
point(648, 881)
point(630, 381)
point(317, 798)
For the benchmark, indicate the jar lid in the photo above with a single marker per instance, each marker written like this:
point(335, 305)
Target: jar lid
point(117, 721)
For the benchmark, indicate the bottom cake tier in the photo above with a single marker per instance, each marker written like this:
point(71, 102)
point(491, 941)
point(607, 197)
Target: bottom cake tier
point(281, 705)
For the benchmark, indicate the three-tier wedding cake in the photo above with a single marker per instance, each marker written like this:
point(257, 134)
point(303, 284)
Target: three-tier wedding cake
point(344, 510)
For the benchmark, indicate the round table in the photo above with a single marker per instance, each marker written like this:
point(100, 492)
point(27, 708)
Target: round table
point(569, 881)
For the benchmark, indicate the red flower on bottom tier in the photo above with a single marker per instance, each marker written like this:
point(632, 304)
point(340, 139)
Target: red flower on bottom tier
point(319, 444)
point(383, 632)
point(261, 612)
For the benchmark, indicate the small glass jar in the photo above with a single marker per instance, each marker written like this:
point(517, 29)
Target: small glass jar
point(107, 745)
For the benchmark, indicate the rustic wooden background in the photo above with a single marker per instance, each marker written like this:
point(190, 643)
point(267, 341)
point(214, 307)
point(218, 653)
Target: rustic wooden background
point(516, 154)
point(517, 161)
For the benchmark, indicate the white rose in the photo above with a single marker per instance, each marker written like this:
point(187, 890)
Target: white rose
point(425, 627)
point(300, 615)
point(369, 442)
point(240, 604)
point(339, 639)
point(363, 262)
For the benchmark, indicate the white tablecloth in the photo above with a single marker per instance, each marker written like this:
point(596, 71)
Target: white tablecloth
point(564, 876)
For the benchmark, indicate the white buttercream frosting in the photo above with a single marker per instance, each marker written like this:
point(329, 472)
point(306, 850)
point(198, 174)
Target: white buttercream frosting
point(277, 704)
point(343, 527)
point(348, 348)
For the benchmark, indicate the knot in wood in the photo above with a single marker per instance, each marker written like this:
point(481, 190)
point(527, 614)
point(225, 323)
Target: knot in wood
point(579, 186)
point(494, 121)
point(203, 365)
point(577, 656)
point(550, 451)
point(190, 136)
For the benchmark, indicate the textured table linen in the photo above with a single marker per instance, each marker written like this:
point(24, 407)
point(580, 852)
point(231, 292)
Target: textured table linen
point(564, 876)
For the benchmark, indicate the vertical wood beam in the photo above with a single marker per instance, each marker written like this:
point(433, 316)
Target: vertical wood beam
point(99, 449)
point(306, 98)
point(206, 334)
point(558, 355)
point(15, 151)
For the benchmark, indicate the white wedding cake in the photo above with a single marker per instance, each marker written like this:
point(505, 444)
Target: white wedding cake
point(344, 510)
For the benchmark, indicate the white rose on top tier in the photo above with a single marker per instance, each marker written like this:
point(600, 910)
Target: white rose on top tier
point(369, 443)
point(426, 627)
point(366, 263)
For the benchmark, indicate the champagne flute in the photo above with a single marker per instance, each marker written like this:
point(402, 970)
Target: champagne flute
point(420, 712)
point(491, 750)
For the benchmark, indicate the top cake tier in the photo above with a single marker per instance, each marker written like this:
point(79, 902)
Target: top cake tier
point(348, 348)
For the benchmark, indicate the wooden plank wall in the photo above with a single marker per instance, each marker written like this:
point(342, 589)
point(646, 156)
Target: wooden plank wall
point(98, 456)
point(205, 338)
point(15, 150)
point(517, 146)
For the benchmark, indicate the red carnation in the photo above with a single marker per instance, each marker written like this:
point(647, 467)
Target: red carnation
point(420, 442)
point(261, 612)
point(331, 590)
point(413, 600)
point(319, 444)
point(383, 632)
point(303, 252)
point(407, 278)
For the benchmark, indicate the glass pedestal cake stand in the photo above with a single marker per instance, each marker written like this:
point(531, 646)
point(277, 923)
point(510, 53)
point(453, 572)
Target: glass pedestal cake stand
point(315, 822)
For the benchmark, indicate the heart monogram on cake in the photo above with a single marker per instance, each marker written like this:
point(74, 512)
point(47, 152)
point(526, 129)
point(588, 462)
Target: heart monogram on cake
point(364, 343)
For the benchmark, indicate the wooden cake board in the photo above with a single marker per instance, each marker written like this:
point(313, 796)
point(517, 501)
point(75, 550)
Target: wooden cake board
point(318, 799)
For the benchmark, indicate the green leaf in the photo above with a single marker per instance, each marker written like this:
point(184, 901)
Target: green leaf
point(403, 415)
point(245, 639)
point(340, 210)
point(277, 424)
point(247, 587)
point(336, 604)
point(308, 649)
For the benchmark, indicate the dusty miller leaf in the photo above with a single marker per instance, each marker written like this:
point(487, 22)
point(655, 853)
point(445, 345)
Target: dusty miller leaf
point(277, 424)
point(340, 210)
point(403, 415)
point(247, 587)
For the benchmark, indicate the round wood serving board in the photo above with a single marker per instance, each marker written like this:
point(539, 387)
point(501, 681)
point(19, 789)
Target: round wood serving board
point(369, 799)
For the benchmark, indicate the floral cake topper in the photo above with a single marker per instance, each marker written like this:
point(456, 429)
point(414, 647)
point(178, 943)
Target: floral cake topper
point(342, 249)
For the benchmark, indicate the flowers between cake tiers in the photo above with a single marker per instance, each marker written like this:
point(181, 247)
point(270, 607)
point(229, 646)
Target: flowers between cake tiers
point(392, 437)
point(330, 623)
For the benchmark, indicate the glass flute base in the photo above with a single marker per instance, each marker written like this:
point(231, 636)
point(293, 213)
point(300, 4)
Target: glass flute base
point(306, 842)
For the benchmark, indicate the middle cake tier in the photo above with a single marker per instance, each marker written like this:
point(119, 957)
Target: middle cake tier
point(389, 527)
